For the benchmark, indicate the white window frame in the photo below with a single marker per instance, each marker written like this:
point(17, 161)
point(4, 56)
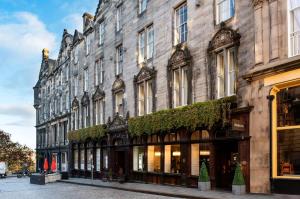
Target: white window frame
point(99, 72)
point(119, 18)
point(150, 42)
point(119, 103)
point(85, 80)
point(180, 24)
point(99, 106)
point(119, 59)
point(142, 5)
point(101, 33)
point(225, 75)
point(141, 47)
point(293, 35)
point(88, 44)
point(76, 54)
point(225, 9)
point(180, 87)
point(141, 99)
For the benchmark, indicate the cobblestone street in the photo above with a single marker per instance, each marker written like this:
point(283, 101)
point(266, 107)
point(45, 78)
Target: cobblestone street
point(13, 188)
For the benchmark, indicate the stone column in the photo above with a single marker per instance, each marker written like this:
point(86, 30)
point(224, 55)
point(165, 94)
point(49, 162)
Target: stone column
point(258, 20)
point(273, 10)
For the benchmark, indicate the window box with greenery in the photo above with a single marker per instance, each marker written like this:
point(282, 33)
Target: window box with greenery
point(238, 184)
point(204, 180)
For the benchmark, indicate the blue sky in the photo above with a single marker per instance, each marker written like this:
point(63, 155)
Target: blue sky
point(26, 27)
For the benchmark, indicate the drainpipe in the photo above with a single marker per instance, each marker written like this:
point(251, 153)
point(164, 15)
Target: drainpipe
point(270, 98)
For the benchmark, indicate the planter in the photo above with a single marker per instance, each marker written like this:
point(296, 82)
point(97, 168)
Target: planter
point(204, 186)
point(238, 189)
point(42, 179)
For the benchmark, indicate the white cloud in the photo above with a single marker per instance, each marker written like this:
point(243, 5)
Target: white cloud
point(26, 35)
point(72, 22)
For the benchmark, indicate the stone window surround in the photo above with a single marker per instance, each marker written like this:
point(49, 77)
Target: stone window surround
point(224, 39)
point(145, 74)
point(118, 87)
point(97, 96)
point(180, 58)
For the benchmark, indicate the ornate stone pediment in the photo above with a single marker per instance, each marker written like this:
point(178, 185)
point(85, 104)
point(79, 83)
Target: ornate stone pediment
point(75, 103)
point(118, 85)
point(85, 99)
point(144, 74)
point(257, 3)
point(99, 94)
point(180, 57)
point(118, 123)
point(225, 36)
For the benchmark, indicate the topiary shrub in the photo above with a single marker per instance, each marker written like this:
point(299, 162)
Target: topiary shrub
point(238, 176)
point(81, 135)
point(203, 176)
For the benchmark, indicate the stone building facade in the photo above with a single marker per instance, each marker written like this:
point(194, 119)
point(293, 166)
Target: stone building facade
point(52, 104)
point(136, 58)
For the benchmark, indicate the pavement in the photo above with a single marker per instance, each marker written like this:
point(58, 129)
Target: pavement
point(20, 188)
point(172, 191)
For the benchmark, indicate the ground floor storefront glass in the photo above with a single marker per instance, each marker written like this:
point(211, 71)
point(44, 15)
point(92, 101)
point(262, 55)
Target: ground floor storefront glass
point(286, 138)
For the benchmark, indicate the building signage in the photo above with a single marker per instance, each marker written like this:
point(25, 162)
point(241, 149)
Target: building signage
point(238, 125)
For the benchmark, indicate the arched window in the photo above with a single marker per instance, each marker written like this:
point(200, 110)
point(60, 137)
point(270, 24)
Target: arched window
point(75, 114)
point(98, 102)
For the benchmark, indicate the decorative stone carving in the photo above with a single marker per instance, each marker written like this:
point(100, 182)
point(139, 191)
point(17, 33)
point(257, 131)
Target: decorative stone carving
point(257, 3)
point(85, 99)
point(225, 36)
point(145, 74)
point(75, 103)
point(99, 94)
point(180, 57)
point(118, 85)
point(118, 123)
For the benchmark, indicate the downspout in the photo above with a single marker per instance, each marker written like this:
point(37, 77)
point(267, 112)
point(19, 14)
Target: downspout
point(270, 98)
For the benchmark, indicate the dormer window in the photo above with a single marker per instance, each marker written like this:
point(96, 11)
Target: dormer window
point(119, 59)
point(88, 44)
point(76, 53)
point(101, 33)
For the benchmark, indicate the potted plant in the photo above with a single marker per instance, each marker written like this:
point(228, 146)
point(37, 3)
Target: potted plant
point(203, 181)
point(238, 184)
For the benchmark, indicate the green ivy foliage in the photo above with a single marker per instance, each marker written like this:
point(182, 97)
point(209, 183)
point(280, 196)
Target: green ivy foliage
point(198, 115)
point(81, 135)
point(203, 176)
point(238, 176)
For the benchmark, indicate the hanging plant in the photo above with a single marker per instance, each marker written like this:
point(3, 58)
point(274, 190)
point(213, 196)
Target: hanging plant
point(82, 135)
point(198, 115)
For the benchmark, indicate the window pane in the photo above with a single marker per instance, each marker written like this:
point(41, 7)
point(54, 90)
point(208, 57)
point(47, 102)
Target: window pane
point(150, 42)
point(141, 99)
point(172, 158)
point(184, 86)
point(138, 158)
point(82, 159)
point(288, 152)
point(105, 159)
point(149, 97)
point(195, 159)
point(288, 107)
point(98, 160)
point(231, 73)
point(75, 159)
point(141, 47)
point(154, 154)
point(181, 24)
point(220, 75)
point(89, 159)
point(176, 87)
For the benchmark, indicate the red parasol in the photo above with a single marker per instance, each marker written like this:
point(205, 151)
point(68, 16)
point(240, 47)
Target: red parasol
point(53, 165)
point(46, 164)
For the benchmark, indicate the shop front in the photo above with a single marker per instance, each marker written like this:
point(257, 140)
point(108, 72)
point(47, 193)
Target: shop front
point(285, 140)
point(170, 157)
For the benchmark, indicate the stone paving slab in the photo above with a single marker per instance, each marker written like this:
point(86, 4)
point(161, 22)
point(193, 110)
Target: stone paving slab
point(173, 191)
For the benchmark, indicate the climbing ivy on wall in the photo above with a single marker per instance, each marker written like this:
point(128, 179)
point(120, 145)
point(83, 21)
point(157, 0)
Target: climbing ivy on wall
point(198, 115)
point(82, 135)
